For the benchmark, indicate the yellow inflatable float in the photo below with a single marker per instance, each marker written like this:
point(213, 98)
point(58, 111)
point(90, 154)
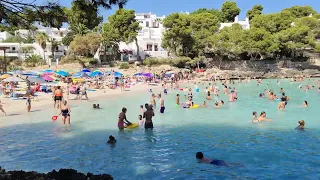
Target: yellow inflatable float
point(195, 106)
point(132, 126)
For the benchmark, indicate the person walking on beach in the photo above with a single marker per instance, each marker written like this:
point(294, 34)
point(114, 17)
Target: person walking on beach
point(1, 109)
point(28, 103)
point(83, 92)
point(162, 108)
point(58, 97)
point(148, 124)
point(65, 112)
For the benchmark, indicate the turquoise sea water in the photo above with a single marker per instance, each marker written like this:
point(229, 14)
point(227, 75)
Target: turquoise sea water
point(269, 150)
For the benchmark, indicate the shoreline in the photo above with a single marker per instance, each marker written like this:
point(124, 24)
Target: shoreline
point(44, 101)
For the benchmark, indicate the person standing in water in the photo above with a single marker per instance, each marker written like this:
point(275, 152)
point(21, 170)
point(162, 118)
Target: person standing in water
point(148, 115)
point(65, 112)
point(301, 125)
point(153, 101)
point(162, 108)
point(122, 119)
point(178, 99)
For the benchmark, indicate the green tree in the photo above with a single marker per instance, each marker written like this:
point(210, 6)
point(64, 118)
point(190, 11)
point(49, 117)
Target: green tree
point(229, 11)
point(86, 46)
point(203, 26)
point(41, 39)
point(14, 39)
point(127, 27)
point(109, 3)
point(79, 29)
point(178, 33)
point(260, 43)
point(83, 12)
point(54, 45)
point(300, 11)
point(110, 40)
point(273, 23)
point(312, 23)
point(256, 10)
point(215, 12)
point(20, 14)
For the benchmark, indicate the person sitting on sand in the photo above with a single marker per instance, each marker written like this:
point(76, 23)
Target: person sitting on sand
point(301, 125)
point(112, 140)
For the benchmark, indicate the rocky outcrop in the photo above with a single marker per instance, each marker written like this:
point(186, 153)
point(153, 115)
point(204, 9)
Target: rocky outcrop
point(62, 174)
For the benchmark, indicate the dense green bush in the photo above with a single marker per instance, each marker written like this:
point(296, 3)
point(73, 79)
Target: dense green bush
point(93, 62)
point(179, 62)
point(124, 65)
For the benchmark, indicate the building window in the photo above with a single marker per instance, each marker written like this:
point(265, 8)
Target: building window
point(146, 16)
point(149, 47)
point(147, 24)
point(13, 48)
point(156, 47)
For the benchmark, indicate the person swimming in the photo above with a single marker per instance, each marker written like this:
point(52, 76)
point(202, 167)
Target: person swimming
point(202, 159)
point(305, 103)
point(111, 140)
point(216, 104)
point(301, 125)
point(96, 106)
point(282, 104)
point(204, 104)
point(208, 96)
point(255, 117)
point(263, 117)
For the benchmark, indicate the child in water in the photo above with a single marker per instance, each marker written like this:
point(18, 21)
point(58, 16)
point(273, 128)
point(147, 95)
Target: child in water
point(301, 125)
point(111, 140)
point(216, 162)
point(140, 121)
point(255, 117)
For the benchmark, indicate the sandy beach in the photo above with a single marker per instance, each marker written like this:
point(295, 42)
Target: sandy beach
point(44, 101)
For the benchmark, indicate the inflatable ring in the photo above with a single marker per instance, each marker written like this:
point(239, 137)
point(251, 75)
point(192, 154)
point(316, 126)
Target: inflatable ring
point(132, 126)
point(195, 106)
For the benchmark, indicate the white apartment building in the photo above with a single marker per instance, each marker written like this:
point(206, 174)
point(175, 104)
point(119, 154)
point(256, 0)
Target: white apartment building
point(14, 50)
point(149, 39)
point(245, 24)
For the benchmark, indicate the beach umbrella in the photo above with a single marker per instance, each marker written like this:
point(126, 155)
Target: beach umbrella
point(47, 73)
point(108, 73)
point(85, 70)
point(138, 74)
point(13, 79)
point(187, 70)
point(147, 74)
point(30, 73)
point(4, 76)
point(49, 70)
point(17, 72)
point(62, 73)
point(96, 73)
point(47, 78)
point(80, 75)
point(98, 70)
point(118, 74)
point(36, 80)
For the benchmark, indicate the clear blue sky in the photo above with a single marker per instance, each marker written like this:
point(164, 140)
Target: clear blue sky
point(165, 7)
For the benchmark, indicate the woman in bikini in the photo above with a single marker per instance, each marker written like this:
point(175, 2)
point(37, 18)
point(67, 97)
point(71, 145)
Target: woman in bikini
point(122, 119)
point(65, 112)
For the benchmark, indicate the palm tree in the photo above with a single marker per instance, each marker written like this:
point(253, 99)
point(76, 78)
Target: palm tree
point(79, 29)
point(41, 39)
point(33, 60)
point(54, 46)
point(26, 49)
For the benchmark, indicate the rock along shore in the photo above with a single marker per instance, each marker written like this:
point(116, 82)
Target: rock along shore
point(62, 174)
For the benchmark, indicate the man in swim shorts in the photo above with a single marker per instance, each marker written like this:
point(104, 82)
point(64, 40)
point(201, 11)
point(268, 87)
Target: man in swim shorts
point(148, 118)
point(216, 162)
point(162, 108)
